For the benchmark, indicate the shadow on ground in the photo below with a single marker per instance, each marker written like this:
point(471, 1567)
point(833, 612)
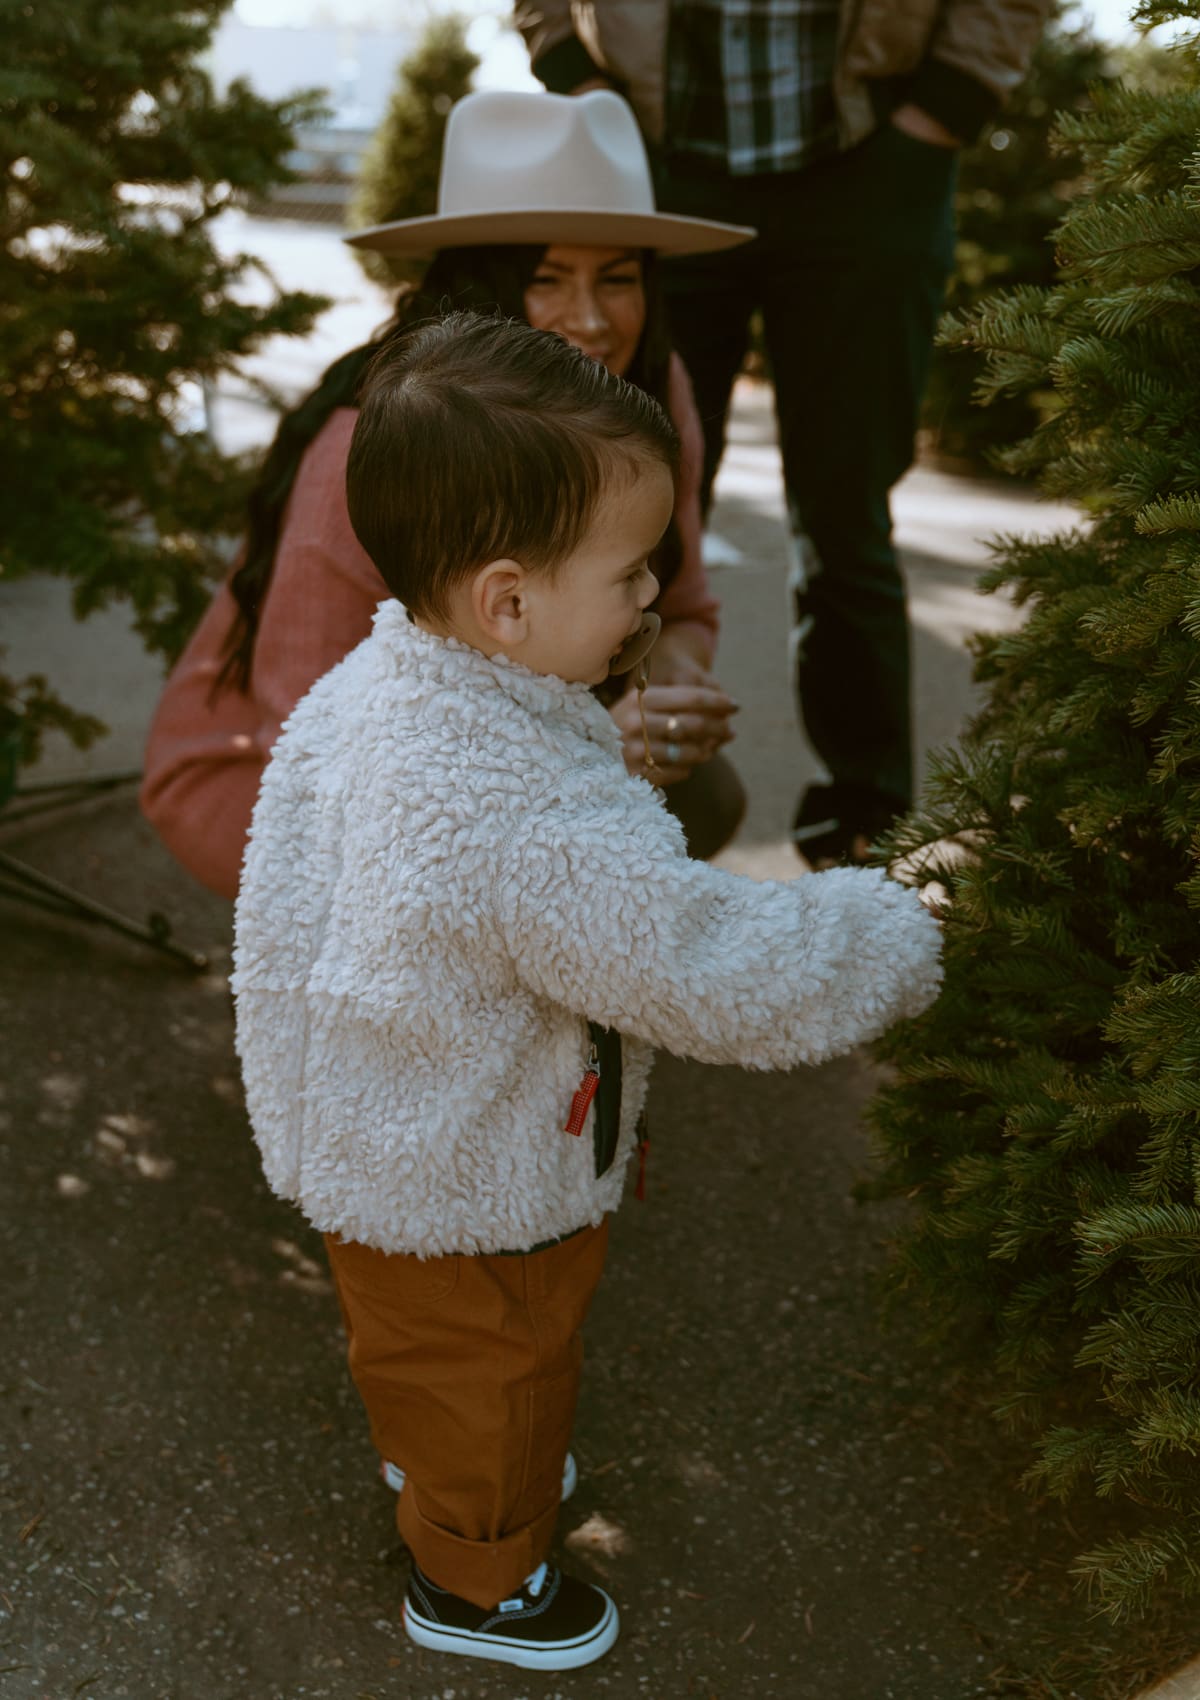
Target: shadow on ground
point(787, 1497)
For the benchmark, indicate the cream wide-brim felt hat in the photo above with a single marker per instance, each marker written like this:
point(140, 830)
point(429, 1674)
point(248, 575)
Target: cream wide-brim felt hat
point(542, 168)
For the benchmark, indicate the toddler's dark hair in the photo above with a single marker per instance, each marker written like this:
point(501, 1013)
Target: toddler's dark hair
point(480, 439)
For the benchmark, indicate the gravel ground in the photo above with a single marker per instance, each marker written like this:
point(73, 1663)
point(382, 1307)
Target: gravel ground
point(786, 1496)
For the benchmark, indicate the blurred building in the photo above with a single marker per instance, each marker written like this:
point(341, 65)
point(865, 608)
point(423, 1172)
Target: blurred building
point(357, 69)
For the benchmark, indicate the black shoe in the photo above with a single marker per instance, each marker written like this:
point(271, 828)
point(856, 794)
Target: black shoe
point(554, 1623)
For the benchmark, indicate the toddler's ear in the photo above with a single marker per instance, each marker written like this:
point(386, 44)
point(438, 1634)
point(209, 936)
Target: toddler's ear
point(499, 602)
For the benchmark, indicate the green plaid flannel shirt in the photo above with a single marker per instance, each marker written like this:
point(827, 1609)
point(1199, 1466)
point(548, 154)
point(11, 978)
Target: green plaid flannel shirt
point(750, 82)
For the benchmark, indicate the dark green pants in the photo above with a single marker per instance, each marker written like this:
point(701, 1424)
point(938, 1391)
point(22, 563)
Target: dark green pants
point(848, 272)
point(709, 805)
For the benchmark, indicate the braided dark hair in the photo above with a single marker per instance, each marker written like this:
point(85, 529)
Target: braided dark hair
point(485, 279)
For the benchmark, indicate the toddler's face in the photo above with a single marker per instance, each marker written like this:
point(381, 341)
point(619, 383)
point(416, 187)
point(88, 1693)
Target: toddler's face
point(580, 618)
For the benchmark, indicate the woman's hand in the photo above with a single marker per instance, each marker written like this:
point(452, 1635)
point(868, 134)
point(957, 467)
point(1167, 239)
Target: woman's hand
point(924, 127)
point(687, 715)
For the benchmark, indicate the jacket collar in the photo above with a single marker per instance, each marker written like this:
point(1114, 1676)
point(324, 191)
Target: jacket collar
point(457, 666)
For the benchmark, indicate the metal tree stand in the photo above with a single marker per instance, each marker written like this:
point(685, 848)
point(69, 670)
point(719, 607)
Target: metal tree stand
point(28, 885)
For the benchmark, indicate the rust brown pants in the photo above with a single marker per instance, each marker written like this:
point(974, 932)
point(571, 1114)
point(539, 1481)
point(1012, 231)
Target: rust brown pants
point(469, 1371)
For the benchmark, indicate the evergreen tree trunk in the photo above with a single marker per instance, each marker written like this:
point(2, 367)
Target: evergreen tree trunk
point(1046, 1112)
point(116, 307)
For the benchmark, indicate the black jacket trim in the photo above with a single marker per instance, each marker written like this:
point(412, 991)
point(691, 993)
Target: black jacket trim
point(606, 1117)
point(565, 65)
point(959, 101)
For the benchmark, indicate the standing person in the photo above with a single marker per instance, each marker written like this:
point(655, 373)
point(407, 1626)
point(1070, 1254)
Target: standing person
point(833, 127)
point(546, 212)
point(462, 925)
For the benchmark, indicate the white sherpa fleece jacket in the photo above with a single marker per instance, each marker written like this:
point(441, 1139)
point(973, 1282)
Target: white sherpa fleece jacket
point(449, 872)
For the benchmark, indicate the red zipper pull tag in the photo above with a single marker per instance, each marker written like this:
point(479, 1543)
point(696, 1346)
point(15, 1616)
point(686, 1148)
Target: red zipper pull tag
point(581, 1103)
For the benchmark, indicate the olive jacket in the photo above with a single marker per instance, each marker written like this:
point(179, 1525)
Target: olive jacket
point(956, 59)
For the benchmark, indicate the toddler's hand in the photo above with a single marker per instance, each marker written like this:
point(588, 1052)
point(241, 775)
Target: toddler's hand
point(936, 899)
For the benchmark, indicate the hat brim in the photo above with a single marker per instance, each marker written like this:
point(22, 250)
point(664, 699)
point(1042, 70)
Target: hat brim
point(668, 233)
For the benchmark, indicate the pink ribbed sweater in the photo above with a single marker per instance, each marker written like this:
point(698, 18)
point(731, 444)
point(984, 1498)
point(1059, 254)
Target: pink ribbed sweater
point(204, 759)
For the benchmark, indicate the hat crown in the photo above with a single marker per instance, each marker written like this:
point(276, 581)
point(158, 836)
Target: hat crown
point(539, 169)
point(583, 153)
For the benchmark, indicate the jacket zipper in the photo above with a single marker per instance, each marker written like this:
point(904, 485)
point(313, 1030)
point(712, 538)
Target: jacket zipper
point(581, 1103)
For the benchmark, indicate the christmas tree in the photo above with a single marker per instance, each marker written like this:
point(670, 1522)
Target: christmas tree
point(398, 177)
point(117, 307)
point(1045, 1114)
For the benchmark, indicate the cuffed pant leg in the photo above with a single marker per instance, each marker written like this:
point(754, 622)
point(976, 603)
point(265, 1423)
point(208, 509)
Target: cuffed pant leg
point(469, 1371)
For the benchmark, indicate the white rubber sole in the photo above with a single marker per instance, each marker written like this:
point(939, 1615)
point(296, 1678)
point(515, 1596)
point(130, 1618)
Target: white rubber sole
point(393, 1476)
point(507, 1650)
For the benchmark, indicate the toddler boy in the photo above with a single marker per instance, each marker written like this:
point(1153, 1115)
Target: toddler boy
point(462, 928)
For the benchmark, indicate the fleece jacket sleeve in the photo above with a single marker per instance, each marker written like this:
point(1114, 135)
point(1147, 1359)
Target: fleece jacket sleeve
point(605, 916)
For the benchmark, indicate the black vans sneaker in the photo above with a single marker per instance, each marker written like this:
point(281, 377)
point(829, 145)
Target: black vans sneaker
point(554, 1623)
